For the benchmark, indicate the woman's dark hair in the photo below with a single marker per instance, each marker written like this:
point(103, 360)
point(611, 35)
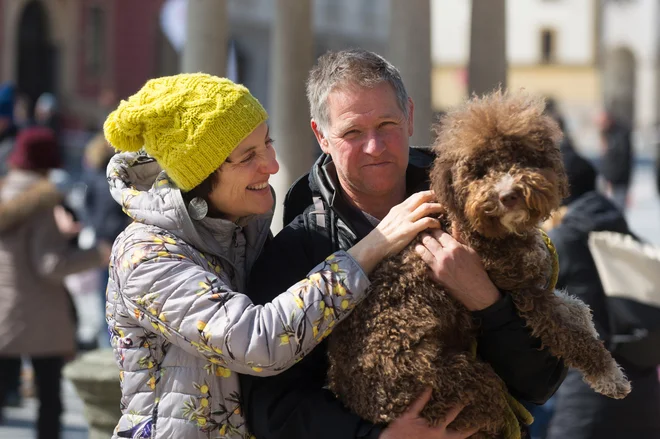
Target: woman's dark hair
point(203, 191)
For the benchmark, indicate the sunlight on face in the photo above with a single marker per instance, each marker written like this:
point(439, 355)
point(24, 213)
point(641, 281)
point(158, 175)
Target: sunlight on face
point(243, 187)
point(368, 139)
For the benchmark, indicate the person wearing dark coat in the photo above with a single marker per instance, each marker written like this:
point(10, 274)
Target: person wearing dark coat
point(580, 413)
point(295, 404)
point(617, 162)
point(374, 128)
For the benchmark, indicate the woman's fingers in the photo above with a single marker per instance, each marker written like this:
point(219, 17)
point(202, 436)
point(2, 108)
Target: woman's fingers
point(425, 209)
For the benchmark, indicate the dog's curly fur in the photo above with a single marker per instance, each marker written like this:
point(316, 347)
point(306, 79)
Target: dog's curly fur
point(499, 173)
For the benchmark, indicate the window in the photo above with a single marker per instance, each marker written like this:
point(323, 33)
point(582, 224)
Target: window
point(95, 48)
point(548, 46)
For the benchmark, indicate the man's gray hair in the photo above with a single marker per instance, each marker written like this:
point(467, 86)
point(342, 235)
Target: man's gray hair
point(353, 67)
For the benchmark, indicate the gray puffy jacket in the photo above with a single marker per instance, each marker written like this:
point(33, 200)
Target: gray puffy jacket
point(180, 327)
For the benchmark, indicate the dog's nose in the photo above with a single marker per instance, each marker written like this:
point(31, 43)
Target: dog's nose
point(509, 199)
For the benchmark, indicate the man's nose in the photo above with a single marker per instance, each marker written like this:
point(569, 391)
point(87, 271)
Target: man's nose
point(374, 145)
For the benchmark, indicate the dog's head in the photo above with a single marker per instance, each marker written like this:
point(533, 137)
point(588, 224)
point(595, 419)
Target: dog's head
point(498, 168)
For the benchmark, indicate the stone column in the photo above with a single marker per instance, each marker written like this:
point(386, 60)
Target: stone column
point(487, 68)
point(292, 56)
point(207, 32)
point(410, 52)
point(95, 376)
point(620, 75)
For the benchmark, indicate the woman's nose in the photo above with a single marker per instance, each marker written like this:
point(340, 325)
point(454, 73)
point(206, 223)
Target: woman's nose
point(270, 165)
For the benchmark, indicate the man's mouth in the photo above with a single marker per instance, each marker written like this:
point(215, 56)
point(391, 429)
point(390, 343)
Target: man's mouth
point(258, 187)
point(376, 164)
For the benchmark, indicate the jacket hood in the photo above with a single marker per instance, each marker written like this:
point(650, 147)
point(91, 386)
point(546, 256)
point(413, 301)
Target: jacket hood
point(23, 195)
point(148, 196)
point(593, 212)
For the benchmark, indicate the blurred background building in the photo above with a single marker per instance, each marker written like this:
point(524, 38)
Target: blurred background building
point(584, 53)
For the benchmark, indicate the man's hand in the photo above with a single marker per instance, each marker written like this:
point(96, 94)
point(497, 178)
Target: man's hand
point(411, 426)
point(459, 269)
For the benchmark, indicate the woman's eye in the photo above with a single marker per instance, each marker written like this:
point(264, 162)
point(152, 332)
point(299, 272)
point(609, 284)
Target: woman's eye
point(248, 158)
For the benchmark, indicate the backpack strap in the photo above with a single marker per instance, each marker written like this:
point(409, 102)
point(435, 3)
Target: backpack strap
point(319, 211)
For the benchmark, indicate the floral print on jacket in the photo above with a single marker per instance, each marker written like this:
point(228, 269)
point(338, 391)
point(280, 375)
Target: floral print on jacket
point(180, 330)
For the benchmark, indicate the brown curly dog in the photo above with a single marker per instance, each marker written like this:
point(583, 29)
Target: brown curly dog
point(499, 173)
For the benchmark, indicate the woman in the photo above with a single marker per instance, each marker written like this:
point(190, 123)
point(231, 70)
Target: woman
point(35, 311)
point(579, 412)
point(181, 329)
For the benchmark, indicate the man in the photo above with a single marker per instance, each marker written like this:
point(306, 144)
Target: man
point(362, 118)
point(617, 158)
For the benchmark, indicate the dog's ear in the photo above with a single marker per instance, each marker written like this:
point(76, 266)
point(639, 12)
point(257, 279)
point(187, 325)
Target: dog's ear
point(442, 183)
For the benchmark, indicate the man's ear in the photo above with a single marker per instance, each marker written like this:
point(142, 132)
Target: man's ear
point(323, 142)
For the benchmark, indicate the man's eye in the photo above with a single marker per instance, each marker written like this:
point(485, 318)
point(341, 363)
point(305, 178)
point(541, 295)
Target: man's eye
point(351, 133)
point(388, 123)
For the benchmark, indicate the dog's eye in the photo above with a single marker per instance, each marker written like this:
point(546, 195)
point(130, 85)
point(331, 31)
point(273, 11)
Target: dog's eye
point(479, 172)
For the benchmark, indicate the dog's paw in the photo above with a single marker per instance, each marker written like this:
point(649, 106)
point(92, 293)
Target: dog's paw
point(613, 384)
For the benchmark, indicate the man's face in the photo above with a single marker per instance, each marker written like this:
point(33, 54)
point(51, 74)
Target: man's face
point(367, 138)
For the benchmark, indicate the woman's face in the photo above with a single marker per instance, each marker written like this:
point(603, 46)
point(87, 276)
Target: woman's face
point(242, 188)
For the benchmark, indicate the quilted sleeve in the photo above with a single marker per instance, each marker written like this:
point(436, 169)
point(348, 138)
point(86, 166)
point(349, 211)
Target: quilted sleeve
point(168, 293)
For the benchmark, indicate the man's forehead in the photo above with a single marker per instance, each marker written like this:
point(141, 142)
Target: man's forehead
point(349, 104)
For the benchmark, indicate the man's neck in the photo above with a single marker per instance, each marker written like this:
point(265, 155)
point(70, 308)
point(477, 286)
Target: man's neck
point(376, 206)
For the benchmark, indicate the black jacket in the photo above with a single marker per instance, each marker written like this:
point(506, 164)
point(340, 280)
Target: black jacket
point(580, 413)
point(295, 404)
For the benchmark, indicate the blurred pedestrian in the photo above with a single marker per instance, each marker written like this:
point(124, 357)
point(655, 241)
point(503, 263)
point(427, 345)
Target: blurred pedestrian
point(100, 211)
point(46, 112)
point(8, 128)
point(579, 412)
point(617, 159)
point(35, 311)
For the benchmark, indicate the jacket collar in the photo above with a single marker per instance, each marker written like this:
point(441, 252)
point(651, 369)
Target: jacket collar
point(148, 196)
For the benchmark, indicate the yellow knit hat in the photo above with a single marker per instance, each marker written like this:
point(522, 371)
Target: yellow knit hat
point(189, 123)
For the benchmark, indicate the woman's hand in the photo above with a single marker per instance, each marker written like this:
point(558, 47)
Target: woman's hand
point(458, 268)
point(399, 227)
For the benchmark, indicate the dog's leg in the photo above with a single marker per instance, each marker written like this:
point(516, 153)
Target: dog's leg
point(600, 369)
point(564, 324)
